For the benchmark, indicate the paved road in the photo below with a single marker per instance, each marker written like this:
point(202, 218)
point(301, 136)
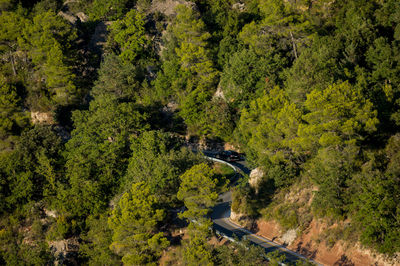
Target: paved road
point(223, 225)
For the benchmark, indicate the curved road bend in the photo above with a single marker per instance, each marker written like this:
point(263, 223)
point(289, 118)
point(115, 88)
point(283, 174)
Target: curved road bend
point(223, 225)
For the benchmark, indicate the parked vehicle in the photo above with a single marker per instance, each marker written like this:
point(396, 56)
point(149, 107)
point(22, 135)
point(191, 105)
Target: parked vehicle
point(229, 156)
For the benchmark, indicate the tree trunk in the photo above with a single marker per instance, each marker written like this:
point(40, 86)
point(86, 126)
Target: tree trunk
point(12, 63)
point(294, 45)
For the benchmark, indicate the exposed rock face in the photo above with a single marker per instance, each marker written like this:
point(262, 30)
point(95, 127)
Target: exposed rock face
point(68, 16)
point(256, 176)
point(65, 251)
point(289, 236)
point(237, 217)
point(167, 7)
point(239, 6)
point(219, 93)
point(310, 244)
point(82, 16)
point(231, 147)
point(172, 107)
point(42, 118)
point(50, 213)
point(70, 1)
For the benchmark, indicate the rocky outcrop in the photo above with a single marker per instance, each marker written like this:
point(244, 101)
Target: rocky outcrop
point(71, 18)
point(231, 147)
point(289, 236)
point(256, 176)
point(219, 93)
point(50, 213)
point(46, 118)
point(65, 251)
point(311, 242)
point(237, 217)
point(239, 6)
point(82, 16)
point(167, 7)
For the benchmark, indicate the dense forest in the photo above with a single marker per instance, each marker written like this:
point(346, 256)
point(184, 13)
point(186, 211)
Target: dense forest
point(94, 132)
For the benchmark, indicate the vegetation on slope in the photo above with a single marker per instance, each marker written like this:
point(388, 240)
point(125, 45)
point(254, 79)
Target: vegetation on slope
point(309, 90)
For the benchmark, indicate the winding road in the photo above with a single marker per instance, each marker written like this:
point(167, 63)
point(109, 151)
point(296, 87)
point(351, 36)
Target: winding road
point(226, 228)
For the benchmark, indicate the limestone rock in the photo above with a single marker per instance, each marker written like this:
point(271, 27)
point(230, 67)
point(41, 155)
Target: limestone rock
point(65, 251)
point(256, 176)
point(239, 6)
point(82, 16)
point(231, 147)
point(42, 118)
point(289, 236)
point(219, 93)
point(167, 7)
point(68, 16)
point(50, 213)
point(236, 217)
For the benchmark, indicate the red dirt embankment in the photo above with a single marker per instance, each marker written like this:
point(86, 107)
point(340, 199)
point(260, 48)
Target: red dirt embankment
point(309, 243)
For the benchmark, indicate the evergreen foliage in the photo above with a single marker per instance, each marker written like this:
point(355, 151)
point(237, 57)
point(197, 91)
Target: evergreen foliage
point(309, 90)
point(133, 223)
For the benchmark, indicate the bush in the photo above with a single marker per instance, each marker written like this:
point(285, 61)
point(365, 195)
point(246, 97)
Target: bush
point(287, 216)
point(61, 229)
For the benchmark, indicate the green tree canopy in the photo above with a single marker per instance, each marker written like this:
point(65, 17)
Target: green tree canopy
point(188, 74)
point(12, 117)
point(335, 116)
point(134, 224)
point(376, 199)
point(158, 161)
point(247, 74)
point(191, 35)
point(32, 171)
point(98, 151)
point(13, 22)
point(240, 253)
point(117, 80)
point(198, 190)
point(331, 170)
point(109, 9)
point(97, 241)
point(269, 126)
point(129, 35)
point(47, 40)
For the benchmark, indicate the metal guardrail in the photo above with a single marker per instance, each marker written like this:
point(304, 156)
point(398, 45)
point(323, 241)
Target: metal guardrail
point(236, 169)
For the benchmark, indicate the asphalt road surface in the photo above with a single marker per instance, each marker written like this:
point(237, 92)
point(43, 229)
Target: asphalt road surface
point(223, 225)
